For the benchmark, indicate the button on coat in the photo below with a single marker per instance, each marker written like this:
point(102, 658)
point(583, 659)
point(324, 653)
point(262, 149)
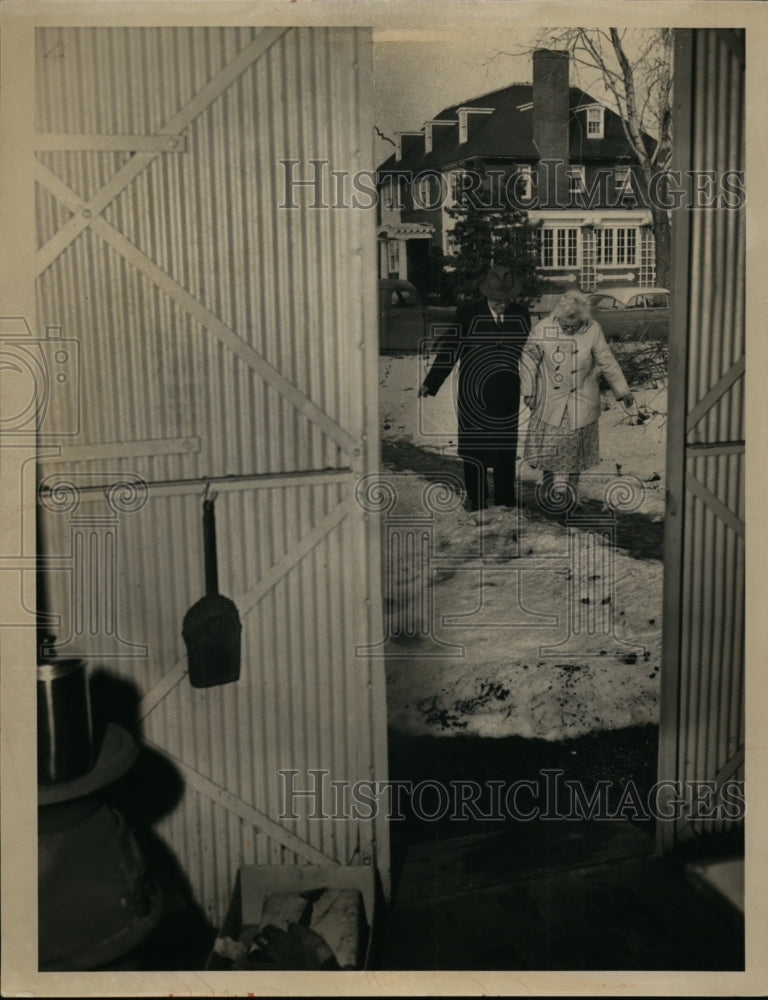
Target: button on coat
point(562, 370)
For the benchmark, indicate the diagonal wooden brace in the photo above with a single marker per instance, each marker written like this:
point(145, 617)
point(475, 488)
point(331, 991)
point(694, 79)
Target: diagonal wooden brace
point(246, 602)
point(69, 232)
point(146, 266)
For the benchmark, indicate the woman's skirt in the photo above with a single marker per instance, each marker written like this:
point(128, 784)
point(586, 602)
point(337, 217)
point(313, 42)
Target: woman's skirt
point(560, 449)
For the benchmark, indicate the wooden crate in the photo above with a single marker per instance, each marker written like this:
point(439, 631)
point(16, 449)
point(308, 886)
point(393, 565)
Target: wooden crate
point(255, 882)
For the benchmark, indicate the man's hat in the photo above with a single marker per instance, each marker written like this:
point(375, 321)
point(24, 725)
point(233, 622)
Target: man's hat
point(499, 283)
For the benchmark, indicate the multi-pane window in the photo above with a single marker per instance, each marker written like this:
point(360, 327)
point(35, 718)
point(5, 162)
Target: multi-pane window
point(559, 248)
point(595, 123)
point(622, 180)
point(616, 247)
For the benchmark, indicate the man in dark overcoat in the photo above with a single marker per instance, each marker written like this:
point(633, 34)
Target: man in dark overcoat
point(486, 343)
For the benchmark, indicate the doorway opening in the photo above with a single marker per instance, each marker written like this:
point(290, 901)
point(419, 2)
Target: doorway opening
point(521, 642)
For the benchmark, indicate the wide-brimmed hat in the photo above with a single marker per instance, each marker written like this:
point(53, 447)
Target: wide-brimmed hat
point(499, 283)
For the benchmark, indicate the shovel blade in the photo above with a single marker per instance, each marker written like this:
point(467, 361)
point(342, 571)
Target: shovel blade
point(212, 632)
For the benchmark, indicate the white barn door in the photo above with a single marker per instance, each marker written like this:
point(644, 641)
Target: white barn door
point(702, 692)
point(225, 339)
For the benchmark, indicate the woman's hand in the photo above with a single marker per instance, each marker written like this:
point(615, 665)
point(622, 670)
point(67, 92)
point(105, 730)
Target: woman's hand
point(628, 401)
point(423, 391)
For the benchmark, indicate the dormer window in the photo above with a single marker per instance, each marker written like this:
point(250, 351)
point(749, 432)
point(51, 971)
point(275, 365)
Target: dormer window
point(595, 122)
point(464, 114)
point(399, 143)
point(429, 132)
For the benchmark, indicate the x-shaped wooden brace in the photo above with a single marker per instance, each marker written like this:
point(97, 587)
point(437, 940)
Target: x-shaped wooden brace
point(86, 214)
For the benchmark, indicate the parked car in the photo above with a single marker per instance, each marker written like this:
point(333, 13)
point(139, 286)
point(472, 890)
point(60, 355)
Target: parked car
point(632, 313)
point(405, 323)
point(401, 315)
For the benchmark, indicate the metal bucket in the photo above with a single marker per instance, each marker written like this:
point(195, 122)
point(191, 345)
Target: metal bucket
point(64, 726)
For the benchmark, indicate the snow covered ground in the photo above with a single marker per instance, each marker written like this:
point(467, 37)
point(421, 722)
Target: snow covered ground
point(524, 622)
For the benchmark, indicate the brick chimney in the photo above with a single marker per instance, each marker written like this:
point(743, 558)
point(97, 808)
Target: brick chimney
point(550, 124)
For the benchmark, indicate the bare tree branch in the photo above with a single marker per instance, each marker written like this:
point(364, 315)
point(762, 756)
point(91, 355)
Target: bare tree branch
point(634, 69)
point(381, 135)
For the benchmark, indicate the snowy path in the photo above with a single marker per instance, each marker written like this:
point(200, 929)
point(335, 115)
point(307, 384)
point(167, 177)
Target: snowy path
point(525, 624)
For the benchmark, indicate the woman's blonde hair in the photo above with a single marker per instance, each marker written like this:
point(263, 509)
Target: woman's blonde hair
point(572, 306)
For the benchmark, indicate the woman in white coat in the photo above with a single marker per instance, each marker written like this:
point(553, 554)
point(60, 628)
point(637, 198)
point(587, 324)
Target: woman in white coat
point(559, 373)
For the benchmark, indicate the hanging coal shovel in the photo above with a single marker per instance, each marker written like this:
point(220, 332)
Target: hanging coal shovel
point(212, 626)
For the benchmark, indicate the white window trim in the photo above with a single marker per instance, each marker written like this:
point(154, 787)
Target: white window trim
point(622, 187)
point(614, 247)
point(389, 195)
point(429, 131)
point(399, 136)
point(597, 112)
point(423, 191)
point(568, 265)
point(453, 182)
point(577, 171)
point(393, 256)
point(464, 114)
point(525, 190)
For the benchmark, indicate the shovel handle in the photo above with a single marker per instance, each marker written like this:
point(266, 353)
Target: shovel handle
point(209, 548)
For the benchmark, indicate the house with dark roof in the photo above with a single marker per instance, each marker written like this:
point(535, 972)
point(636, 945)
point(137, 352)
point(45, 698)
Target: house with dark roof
point(547, 147)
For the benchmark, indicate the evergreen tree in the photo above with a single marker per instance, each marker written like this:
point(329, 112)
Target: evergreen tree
point(491, 231)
